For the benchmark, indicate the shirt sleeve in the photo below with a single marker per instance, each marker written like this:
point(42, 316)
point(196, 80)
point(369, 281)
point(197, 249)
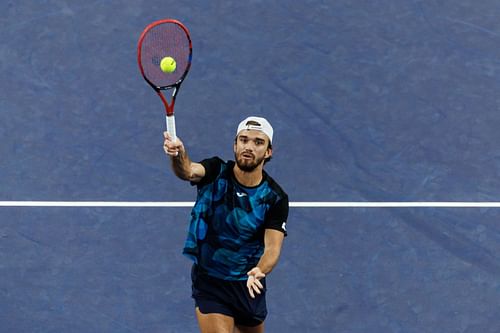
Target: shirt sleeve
point(276, 217)
point(212, 168)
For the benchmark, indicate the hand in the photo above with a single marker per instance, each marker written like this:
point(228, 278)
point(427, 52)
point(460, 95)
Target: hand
point(253, 282)
point(172, 148)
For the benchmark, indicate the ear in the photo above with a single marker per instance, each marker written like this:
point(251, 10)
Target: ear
point(269, 152)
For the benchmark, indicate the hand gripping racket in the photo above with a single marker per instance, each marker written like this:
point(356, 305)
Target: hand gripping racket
point(159, 40)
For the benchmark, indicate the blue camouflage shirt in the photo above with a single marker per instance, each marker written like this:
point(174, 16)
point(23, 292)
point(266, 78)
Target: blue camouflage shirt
point(226, 233)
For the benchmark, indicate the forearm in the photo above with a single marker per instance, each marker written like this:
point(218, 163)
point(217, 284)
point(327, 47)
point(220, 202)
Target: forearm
point(269, 260)
point(181, 165)
point(273, 240)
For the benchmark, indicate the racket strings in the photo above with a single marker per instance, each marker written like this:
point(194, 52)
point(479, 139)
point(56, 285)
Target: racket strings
point(165, 40)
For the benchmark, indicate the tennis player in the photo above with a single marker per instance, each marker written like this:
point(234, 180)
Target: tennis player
point(236, 231)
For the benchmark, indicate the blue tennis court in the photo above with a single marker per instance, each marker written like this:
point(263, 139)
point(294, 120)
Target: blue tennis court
point(381, 101)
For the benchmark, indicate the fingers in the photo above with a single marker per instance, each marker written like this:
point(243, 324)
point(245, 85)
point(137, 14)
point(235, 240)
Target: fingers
point(253, 284)
point(167, 135)
point(259, 285)
point(252, 287)
point(171, 148)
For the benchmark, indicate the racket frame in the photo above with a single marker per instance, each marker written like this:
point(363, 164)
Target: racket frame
point(169, 108)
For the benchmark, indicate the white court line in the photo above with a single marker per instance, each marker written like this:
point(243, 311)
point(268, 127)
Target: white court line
point(297, 204)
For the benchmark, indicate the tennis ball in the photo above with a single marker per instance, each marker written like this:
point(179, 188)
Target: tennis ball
point(168, 65)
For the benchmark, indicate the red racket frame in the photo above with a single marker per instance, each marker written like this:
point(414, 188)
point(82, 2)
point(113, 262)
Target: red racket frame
point(169, 109)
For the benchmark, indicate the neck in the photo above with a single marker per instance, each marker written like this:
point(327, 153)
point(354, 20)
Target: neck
point(248, 178)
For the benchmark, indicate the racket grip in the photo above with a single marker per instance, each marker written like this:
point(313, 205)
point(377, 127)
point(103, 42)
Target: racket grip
point(171, 127)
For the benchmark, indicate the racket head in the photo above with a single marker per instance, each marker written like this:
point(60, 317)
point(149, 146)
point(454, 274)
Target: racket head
point(164, 38)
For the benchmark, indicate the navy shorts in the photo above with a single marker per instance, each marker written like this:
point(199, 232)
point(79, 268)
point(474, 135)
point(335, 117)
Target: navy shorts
point(230, 298)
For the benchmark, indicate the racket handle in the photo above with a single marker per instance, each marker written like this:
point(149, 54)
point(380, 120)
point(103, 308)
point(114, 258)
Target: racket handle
point(171, 127)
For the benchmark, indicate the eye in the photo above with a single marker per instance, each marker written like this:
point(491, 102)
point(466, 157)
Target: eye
point(259, 142)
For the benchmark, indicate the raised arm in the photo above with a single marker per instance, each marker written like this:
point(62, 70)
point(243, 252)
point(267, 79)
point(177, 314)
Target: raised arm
point(182, 165)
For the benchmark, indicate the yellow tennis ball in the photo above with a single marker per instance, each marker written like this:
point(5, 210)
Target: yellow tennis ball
point(168, 65)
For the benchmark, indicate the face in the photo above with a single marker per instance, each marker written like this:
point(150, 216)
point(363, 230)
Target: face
point(251, 149)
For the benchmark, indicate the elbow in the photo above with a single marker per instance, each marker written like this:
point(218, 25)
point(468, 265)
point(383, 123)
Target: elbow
point(187, 175)
point(183, 175)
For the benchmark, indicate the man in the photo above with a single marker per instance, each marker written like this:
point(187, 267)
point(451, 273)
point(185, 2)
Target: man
point(236, 231)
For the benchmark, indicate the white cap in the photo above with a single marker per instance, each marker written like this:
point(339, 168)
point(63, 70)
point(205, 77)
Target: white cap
point(263, 126)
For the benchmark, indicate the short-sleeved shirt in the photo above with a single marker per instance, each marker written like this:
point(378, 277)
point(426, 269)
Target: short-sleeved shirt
point(226, 233)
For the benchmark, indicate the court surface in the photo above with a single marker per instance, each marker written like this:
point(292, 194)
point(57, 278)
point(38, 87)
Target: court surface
point(371, 101)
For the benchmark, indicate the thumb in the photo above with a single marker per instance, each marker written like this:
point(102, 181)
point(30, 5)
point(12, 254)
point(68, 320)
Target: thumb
point(256, 272)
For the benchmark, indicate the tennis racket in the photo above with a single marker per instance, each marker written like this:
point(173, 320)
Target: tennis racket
point(161, 39)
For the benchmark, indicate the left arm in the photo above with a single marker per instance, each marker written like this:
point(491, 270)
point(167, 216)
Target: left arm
point(273, 240)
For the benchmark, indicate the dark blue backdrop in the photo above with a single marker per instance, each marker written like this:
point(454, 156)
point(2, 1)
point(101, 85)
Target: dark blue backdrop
point(370, 101)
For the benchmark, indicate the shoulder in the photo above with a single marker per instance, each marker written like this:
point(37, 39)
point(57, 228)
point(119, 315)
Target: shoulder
point(277, 215)
point(212, 162)
point(275, 187)
point(213, 167)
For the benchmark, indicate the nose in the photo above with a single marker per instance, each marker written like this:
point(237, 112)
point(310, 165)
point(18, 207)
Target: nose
point(248, 146)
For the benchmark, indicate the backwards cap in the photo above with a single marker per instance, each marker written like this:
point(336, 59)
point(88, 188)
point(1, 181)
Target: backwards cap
point(256, 124)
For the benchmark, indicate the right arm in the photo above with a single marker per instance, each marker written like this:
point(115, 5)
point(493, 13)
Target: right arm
point(182, 165)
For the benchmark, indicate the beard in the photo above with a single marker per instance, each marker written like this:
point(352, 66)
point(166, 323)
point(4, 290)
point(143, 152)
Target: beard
point(247, 165)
